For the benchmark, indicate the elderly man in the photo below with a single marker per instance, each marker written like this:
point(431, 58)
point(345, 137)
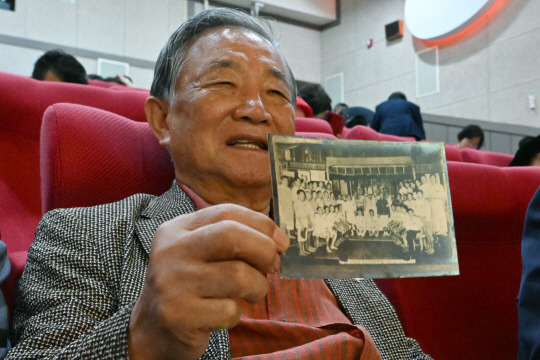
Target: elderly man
point(194, 273)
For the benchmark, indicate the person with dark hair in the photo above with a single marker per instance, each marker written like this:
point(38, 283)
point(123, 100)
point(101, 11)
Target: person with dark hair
point(56, 65)
point(528, 154)
point(524, 140)
point(321, 104)
point(194, 273)
point(471, 136)
point(340, 107)
point(397, 116)
point(357, 115)
point(398, 95)
point(317, 99)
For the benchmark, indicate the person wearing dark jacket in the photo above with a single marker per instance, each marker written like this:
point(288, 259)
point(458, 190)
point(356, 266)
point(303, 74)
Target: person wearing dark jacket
point(528, 307)
point(397, 116)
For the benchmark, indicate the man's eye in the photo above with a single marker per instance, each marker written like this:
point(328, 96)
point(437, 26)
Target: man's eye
point(277, 92)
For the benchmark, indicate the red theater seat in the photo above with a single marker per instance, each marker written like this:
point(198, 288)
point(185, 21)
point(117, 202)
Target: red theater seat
point(360, 132)
point(452, 153)
point(477, 156)
point(84, 164)
point(486, 157)
point(23, 101)
point(100, 83)
point(470, 316)
point(473, 315)
point(312, 125)
point(84, 149)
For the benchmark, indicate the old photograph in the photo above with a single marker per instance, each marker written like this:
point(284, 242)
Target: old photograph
point(363, 208)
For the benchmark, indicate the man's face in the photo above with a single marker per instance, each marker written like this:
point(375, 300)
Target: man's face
point(231, 93)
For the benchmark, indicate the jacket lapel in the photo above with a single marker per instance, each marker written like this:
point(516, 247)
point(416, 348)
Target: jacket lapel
point(365, 305)
point(171, 204)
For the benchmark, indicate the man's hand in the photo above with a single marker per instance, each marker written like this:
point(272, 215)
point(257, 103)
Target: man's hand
point(199, 264)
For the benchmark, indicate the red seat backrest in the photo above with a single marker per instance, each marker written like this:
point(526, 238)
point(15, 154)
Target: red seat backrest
point(312, 125)
point(452, 153)
point(100, 83)
point(477, 156)
point(486, 157)
point(23, 101)
point(360, 132)
point(472, 313)
point(84, 164)
point(91, 156)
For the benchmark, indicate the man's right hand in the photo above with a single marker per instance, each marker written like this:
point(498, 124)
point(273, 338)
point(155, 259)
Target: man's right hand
point(199, 264)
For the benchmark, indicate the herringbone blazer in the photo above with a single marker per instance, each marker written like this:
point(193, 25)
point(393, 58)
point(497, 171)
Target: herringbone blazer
point(87, 267)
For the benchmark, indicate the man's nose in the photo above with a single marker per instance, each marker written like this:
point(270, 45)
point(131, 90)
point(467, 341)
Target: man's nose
point(252, 109)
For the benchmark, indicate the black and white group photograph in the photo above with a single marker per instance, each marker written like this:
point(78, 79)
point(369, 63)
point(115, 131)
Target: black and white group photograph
point(363, 208)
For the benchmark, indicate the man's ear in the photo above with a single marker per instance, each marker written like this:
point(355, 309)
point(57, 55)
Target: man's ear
point(157, 111)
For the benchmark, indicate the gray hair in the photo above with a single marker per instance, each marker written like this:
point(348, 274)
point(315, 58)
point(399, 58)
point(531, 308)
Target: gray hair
point(172, 57)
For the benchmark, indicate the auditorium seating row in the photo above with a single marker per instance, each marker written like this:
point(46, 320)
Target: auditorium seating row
point(91, 156)
point(23, 102)
point(470, 314)
point(360, 132)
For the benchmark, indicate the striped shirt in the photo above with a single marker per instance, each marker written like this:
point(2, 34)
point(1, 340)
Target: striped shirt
point(298, 319)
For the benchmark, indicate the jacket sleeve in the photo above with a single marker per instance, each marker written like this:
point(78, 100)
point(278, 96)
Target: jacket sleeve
point(5, 268)
point(67, 306)
point(417, 118)
point(375, 123)
point(529, 293)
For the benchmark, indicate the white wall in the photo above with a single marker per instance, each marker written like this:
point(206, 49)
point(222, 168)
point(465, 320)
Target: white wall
point(487, 75)
point(302, 49)
point(131, 28)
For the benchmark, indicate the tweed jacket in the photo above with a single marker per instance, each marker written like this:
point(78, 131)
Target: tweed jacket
point(87, 266)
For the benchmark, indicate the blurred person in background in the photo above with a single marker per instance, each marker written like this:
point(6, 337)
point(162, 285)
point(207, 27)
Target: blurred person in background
point(56, 65)
point(471, 136)
point(528, 154)
point(397, 116)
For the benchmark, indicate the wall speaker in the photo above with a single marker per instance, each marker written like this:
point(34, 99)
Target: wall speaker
point(394, 30)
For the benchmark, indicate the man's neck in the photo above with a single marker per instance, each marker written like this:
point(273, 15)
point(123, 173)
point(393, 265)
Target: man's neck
point(254, 199)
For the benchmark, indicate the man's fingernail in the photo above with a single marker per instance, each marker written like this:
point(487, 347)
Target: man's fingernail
point(281, 239)
point(277, 264)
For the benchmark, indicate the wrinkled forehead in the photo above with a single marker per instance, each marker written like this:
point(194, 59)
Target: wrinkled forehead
point(238, 42)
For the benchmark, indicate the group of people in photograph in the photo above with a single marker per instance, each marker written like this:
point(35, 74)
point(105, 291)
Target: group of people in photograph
point(412, 213)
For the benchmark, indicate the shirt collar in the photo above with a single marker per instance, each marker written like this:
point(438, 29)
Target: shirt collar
point(197, 200)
